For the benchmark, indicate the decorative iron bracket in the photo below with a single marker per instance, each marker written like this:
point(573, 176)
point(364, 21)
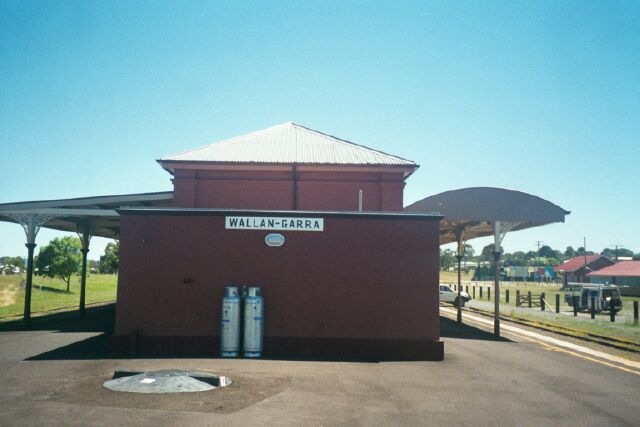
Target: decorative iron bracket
point(31, 223)
point(500, 229)
point(84, 233)
point(460, 240)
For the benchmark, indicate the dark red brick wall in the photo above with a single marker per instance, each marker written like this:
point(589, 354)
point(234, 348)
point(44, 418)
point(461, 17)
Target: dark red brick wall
point(362, 278)
point(257, 189)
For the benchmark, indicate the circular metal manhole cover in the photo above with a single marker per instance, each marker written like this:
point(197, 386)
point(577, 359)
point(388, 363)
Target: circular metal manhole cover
point(165, 381)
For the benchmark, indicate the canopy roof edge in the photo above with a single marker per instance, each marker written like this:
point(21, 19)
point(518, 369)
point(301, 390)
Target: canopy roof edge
point(475, 210)
point(97, 212)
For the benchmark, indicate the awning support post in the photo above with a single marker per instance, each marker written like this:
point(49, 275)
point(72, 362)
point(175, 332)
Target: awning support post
point(84, 233)
point(459, 255)
point(29, 283)
point(500, 229)
point(31, 224)
point(496, 297)
point(459, 317)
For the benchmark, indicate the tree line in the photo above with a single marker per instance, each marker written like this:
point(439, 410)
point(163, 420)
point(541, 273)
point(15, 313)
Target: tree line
point(62, 258)
point(544, 256)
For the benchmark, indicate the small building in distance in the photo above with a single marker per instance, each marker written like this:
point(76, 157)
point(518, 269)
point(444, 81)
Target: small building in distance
point(517, 272)
point(576, 269)
point(625, 274)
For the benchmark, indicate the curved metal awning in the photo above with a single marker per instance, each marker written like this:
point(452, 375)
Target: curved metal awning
point(474, 212)
point(485, 211)
point(69, 214)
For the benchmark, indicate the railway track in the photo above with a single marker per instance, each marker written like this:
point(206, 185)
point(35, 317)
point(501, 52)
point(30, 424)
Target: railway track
point(618, 343)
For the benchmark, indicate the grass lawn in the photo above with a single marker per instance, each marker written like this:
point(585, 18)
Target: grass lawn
point(599, 326)
point(550, 290)
point(452, 276)
point(50, 294)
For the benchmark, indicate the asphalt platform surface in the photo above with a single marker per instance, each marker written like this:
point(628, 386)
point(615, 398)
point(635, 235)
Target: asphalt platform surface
point(53, 375)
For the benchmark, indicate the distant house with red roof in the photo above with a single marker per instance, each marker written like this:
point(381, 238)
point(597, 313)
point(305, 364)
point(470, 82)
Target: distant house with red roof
point(624, 273)
point(576, 269)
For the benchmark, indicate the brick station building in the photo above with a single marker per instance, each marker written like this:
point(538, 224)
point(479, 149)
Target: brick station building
point(355, 277)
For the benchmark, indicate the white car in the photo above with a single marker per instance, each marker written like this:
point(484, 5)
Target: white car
point(449, 295)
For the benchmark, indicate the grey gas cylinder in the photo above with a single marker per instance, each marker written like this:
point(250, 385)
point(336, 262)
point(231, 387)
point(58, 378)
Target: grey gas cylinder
point(253, 323)
point(230, 324)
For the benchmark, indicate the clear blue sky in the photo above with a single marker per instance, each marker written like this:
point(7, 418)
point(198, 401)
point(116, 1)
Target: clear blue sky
point(542, 97)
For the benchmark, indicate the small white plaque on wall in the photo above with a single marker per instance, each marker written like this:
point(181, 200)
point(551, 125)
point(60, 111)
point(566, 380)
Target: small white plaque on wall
point(274, 239)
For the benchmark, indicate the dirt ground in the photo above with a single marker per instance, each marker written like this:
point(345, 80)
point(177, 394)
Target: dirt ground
point(7, 296)
point(247, 389)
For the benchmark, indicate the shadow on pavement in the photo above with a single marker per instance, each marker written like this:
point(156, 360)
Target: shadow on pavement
point(101, 320)
point(91, 348)
point(98, 347)
point(450, 329)
point(97, 319)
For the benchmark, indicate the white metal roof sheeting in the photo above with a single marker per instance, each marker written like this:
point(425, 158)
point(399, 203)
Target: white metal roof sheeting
point(288, 143)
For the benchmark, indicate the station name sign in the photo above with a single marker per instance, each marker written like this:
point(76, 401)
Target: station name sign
point(273, 223)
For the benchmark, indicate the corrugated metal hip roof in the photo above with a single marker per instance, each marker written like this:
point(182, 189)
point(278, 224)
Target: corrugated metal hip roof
point(289, 143)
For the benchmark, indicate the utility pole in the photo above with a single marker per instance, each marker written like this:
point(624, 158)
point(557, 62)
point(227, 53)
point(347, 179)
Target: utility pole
point(616, 250)
point(585, 257)
point(539, 243)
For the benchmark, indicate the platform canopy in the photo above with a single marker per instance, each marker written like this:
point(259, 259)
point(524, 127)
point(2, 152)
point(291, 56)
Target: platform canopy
point(485, 211)
point(474, 212)
point(69, 214)
point(86, 216)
